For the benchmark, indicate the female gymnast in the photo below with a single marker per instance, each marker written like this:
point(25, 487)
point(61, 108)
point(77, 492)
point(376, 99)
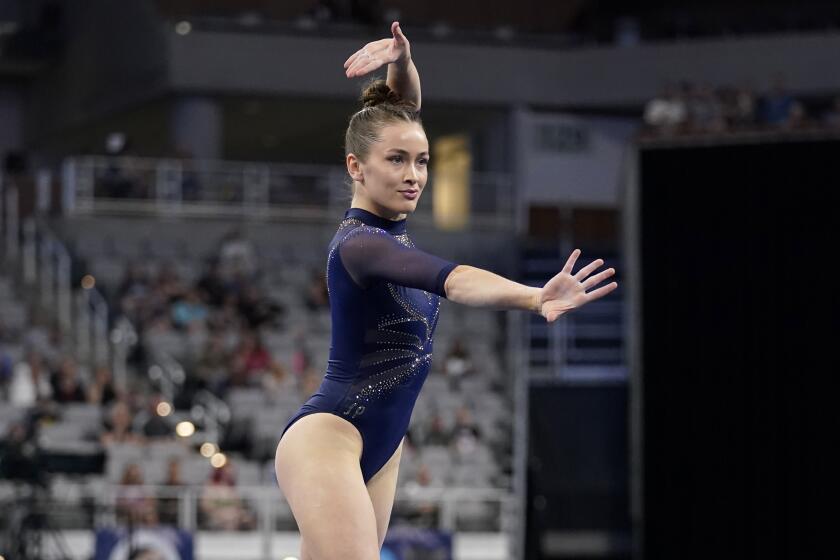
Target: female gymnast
point(337, 459)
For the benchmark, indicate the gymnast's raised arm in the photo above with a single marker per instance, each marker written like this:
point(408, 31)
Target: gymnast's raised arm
point(394, 51)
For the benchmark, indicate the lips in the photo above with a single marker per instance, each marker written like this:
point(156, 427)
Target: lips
point(410, 194)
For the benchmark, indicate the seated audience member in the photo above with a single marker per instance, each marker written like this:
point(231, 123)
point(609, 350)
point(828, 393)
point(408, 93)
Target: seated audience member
point(168, 505)
point(211, 286)
point(278, 381)
point(457, 363)
point(465, 433)
point(30, 381)
point(119, 425)
point(237, 257)
point(831, 118)
point(221, 505)
point(135, 504)
point(437, 434)
point(102, 391)
point(667, 112)
point(419, 511)
point(66, 383)
point(152, 424)
point(250, 360)
point(188, 310)
point(317, 296)
point(776, 106)
point(256, 308)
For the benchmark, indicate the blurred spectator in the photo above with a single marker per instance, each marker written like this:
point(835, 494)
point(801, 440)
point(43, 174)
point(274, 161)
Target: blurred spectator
point(133, 291)
point(237, 256)
point(30, 381)
point(278, 382)
point(301, 357)
point(317, 296)
point(7, 366)
point(221, 505)
point(437, 434)
point(188, 309)
point(102, 390)
point(152, 424)
point(119, 425)
point(777, 105)
point(211, 369)
point(744, 108)
point(135, 504)
point(310, 381)
point(465, 432)
point(47, 341)
point(705, 111)
point(168, 505)
point(211, 286)
point(418, 511)
point(667, 112)
point(66, 383)
point(250, 359)
point(457, 363)
point(733, 109)
point(168, 283)
point(798, 117)
point(190, 184)
point(831, 117)
point(114, 182)
point(256, 308)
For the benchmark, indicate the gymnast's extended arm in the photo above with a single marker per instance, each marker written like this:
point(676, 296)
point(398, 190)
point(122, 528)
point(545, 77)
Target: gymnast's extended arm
point(480, 288)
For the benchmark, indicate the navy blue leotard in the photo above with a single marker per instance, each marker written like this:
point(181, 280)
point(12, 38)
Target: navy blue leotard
point(384, 301)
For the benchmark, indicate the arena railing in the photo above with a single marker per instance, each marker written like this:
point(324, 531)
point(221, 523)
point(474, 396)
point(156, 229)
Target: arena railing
point(84, 508)
point(44, 268)
point(269, 191)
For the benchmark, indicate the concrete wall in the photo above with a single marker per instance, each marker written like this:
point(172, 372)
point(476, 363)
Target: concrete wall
point(504, 75)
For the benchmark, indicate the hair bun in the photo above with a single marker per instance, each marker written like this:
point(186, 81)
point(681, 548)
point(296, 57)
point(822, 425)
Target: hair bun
point(377, 92)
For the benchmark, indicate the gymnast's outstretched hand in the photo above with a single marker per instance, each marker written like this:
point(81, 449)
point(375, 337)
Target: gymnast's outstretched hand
point(565, 291)
point(377, 53)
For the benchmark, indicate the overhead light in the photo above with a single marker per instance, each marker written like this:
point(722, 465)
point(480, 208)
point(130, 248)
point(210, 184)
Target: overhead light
point(183, 28)
point(208, 449)
point(185, 428)
point(218, 460)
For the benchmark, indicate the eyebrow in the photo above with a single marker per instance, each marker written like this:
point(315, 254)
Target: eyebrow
point(401, 151)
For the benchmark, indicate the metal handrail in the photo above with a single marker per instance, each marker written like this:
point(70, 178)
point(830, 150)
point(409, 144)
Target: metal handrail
point(259, 190)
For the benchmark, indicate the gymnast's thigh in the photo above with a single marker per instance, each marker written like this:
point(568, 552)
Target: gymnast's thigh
point(317, 467)
point(382, 488)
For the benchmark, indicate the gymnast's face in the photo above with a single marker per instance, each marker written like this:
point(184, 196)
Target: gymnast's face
point(391, 179)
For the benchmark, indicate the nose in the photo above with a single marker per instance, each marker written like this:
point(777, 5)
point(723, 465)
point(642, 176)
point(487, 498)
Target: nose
point(411, 176)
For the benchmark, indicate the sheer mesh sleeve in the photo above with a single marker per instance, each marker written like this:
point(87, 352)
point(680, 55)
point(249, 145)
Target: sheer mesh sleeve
point(369, 254)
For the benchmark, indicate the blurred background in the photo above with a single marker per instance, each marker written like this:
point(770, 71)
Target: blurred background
point(172, 172)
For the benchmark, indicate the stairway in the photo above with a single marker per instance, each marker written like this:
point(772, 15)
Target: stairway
point(588, 343)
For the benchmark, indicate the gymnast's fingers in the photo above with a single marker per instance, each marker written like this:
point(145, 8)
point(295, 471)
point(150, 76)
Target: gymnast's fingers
point(570, 264)
point(597, 279)
point(588, 269)
point(601, 292)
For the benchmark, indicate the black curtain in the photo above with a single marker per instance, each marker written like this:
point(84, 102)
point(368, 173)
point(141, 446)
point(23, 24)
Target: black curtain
point(740, 327)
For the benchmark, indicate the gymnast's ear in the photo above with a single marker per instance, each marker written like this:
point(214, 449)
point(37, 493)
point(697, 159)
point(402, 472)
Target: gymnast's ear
point(354, 168)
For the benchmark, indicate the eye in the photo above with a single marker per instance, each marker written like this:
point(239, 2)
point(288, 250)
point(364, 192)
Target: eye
point(423, 161)
point(395, 159)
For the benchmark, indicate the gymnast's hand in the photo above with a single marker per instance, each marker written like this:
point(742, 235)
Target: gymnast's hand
point(377, 53)
point(565, 291)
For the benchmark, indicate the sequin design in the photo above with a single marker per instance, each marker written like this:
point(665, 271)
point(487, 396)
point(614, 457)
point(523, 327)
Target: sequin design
point(398, 345)
point(398, 338)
